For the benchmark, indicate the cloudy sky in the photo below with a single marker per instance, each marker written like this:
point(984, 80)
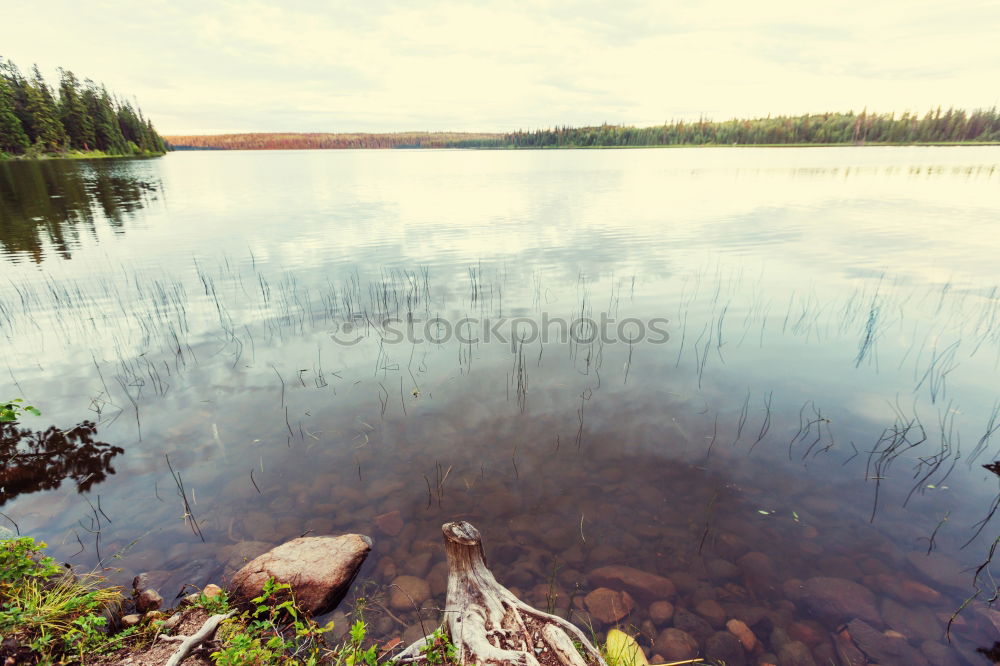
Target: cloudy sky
point(203, 66)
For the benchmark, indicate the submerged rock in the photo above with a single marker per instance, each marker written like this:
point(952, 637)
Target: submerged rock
point(319, 569)
point(725, 648)
point(692, 624)
point(390, 524)
point(881, 648)
point(914, 622)
point(938, 654)
point(438, 579)
point(712, 612)
point(806, 631)
point(408, 592)
point(722, 570)
point(661, 611)
point(795, 653)
point(906, 590)
point(840, 600)
point(640, 584)
point(759, 576)
point(848, 653)
point(609, 606)
point(743, 634)
point(942, 569)
point(676, 645)
point(417, 565)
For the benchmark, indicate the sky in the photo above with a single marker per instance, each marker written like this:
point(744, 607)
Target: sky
point(205, 67)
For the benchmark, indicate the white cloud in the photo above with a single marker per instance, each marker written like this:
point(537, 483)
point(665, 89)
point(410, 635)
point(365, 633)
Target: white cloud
point(337, 66)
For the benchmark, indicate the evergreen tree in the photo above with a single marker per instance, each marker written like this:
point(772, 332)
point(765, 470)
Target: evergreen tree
point(73, 112)
point(84, 117)
point(48, 132)
point(107, 135)
point(131, 127)
point(12, 136)
point(19, 89)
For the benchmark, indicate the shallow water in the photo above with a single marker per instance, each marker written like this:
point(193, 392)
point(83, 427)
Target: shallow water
point(738, 368)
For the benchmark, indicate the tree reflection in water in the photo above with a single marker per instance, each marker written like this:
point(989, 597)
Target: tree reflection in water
point(49, 207)
point(35, 460)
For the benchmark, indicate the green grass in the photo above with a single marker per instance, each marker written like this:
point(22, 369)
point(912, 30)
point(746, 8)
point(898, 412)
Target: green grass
point(50, 615)
point(77, 155)
point(273, 632)
point(48, 610)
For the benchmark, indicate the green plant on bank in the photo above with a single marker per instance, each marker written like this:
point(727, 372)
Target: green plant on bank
point(273, 632)
point(49, 614)
point(438, 648)
point(214, 605)
point(352, 653)
point(12, 410)
point(48, 610)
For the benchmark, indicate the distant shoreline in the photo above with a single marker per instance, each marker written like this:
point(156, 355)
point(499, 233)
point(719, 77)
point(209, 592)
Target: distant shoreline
point(182, 148)
point(951, 127)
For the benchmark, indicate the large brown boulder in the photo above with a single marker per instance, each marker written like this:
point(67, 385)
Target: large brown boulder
point(319, 569)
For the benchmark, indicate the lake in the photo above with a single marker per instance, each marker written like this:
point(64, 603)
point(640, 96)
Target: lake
point(768, 374)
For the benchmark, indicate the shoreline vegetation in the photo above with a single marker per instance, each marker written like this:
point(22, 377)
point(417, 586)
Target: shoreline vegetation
point(79, 155)
point(50, 613)
point(935, 128)
point(53, 614)
point(72, 121)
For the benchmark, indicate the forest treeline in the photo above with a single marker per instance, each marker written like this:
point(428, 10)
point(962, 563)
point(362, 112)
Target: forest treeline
point(951, 126)
point(302, 141)
point(37, 119)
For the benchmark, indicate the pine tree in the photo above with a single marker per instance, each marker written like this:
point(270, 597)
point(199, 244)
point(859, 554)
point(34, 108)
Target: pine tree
point(19, 88)
point(73, 112)
point(107, 135)
point(12, 136)
point(47, 131)
point(131, 127)
point(84, 117)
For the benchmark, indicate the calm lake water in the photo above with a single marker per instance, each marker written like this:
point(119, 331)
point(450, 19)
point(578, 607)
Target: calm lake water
point(742, 369)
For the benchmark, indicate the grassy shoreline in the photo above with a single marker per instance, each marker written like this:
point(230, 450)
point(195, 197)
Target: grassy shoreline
point(74, 155)
point(52, 614)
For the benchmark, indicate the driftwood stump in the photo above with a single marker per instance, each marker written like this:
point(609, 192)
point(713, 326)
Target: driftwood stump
point(488, 625)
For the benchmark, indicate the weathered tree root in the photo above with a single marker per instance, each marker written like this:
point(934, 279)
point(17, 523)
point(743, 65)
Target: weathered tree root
point(194, 640)
point(488, 625)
